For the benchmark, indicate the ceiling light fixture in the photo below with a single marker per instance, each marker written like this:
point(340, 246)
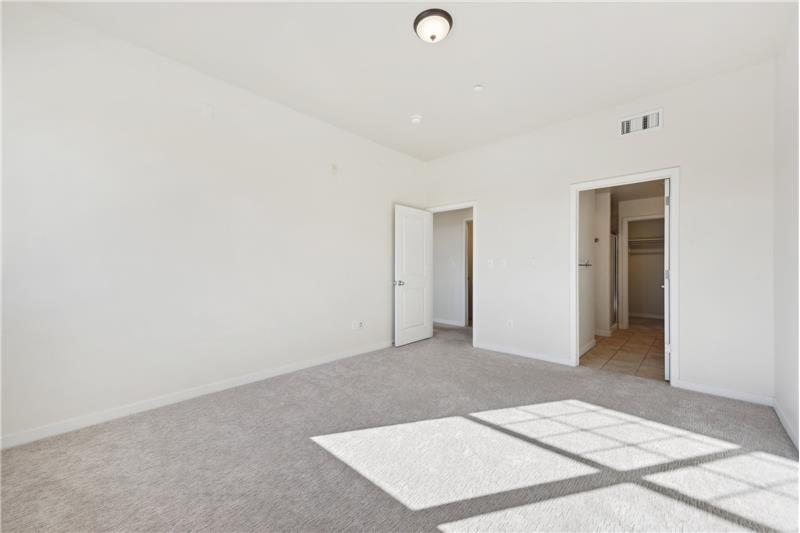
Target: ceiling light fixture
point(416, 119)
point(433, 25)
point(478, 88)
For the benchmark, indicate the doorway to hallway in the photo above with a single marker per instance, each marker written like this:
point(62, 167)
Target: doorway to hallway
point(453, 236)
point(434, 277)
point(622, 290)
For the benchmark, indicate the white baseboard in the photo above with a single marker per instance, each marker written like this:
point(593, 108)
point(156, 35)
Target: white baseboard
point(789, 424)
point(523, 353)
point(586, 347)
point(646, 315)
point(448, 322)
point(78, 422)
point(726, 393)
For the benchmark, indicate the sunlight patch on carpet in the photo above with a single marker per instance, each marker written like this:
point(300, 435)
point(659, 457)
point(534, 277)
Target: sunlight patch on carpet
point(434, 462)
point(624, 507)
point(611, 438)
point(758, 486)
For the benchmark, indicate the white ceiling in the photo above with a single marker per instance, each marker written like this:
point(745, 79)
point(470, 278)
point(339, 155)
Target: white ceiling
point(362, 68)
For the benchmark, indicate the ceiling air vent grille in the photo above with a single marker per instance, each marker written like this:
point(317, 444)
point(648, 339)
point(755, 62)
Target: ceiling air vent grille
point(645, 121)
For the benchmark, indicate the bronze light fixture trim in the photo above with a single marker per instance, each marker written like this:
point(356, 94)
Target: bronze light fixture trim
point(433, 25)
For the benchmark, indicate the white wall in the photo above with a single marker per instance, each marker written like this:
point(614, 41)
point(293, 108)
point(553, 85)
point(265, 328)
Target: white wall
point(449, 262)
point(164, 232)
point(785, 243)
point(645, 276)
point(646, 270)
point(631, 286)
point(586, 254)
point(647, 229)
point(719, 131)
point(602, 263)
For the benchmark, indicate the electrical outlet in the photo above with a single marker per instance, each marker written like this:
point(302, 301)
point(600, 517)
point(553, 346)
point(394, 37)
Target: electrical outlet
point(358, 324)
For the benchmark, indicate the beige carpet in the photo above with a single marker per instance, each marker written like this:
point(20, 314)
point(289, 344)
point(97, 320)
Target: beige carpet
point(435, 436)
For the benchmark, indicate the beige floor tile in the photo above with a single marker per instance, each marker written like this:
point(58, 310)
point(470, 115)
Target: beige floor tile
point(610, 341)
point(621, 368)
point(651, 373)
point(635, 348)
point(652, 363)
point(638, 350)
point(593, 363)
point(628, 357)
point(643, 339)
point(625, 360)
point(602, 350)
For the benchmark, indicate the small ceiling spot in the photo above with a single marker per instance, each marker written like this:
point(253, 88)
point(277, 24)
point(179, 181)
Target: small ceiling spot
point(416, 119)
point(433, 25)
point(478, 88)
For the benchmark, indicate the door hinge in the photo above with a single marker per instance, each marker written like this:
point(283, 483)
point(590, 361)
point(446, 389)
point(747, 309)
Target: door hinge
point(666, 274)
point(666, 201)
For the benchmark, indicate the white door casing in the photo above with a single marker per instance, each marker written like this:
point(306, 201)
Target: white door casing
point(666, 281)
point(413, 275)
point(671, 262)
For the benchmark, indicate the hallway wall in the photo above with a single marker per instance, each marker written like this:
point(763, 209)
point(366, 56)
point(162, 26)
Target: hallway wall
point(586, 280)
point(646, 274)
point(646, 271)
point(602, 264)
point(449, 274)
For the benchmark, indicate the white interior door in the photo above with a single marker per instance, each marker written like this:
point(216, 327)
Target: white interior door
point(666, 281)
point(413, 275)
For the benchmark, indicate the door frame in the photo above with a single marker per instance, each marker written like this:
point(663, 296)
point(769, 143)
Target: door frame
point(455, 207)
point(622, 271)
point(673, 174)
point(466, 267)
point(615, 295)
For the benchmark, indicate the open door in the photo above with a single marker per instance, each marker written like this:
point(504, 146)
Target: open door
point(413, 275)
point(666, 281)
